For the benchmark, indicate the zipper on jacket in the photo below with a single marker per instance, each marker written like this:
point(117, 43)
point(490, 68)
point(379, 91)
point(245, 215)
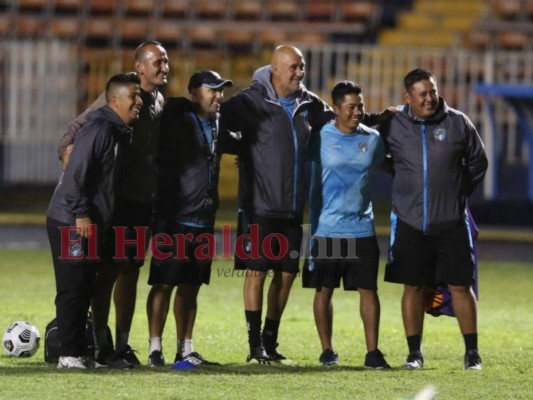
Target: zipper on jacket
point(424, 179)
point(295, 188)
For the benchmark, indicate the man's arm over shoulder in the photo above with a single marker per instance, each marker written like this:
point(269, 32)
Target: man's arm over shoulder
point(67, 140)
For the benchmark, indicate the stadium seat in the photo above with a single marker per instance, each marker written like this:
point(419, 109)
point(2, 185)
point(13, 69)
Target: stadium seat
point(168, 31)
point(32, 5)
point(319, 10)
point(211, 9)
point(358, 11)
point(507, 9)
point(239, 40)
point(512, 40)
point(272, 38)
point(248, 9)
point(280, 10)
point(99, 7)
point(100, 30)
point(202, 36)
point(67, 6)
point(65, 27)
point(176, 8)
point(30, 26)
point(139, 7)
point(133, 30)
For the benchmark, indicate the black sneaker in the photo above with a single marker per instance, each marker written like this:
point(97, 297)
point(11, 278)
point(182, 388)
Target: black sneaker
point(414, 360)
point(156, 359)
point(376, 360)
point(328, 357)
point(107, 358)
point(258, 355)
point(195, 359)
point(472, 360)
point(274, 354)
point(128, 354)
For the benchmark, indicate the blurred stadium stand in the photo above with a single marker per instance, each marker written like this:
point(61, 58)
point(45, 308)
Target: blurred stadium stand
point(77, 44)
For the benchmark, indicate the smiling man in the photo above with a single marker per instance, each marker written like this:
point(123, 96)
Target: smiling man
point(135, 192)
point(438, 159)
point(188, 167)
point(344, 245)
point(276, 116)
point(81, 212)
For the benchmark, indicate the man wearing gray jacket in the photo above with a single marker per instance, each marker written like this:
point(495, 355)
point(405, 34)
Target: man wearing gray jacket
point(438, 160)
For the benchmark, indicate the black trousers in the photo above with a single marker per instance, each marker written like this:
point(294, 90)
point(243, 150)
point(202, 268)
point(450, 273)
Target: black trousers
point(75, 280)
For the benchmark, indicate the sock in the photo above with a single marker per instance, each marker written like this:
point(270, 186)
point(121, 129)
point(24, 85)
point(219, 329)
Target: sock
point(100, 338)
point(270, 333)
point(122, 340)
point(470, 341)
point(253, 323)
point(414, 342)
point(155, 344)
point(185, 347)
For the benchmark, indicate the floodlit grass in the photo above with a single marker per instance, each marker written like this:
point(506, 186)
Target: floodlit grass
point(505, 320)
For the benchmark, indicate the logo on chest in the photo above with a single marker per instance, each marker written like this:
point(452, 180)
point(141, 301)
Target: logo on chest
point(363, 147)
point(439, 134)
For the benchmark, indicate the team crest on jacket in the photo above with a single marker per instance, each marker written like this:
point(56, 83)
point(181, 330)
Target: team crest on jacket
point(439, 134)
point(363, 147)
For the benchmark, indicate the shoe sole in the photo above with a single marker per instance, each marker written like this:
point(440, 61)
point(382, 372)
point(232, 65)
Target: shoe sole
point(474, 368)
point(411, 366)
point(261, 362)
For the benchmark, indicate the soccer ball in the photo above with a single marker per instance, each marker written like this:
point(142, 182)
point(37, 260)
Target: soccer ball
point(21, 339)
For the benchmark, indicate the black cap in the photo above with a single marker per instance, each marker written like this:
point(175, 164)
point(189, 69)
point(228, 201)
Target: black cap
point(207, 78)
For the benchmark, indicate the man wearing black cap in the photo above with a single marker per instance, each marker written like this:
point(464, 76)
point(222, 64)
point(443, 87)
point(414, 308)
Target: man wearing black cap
point(186, 203)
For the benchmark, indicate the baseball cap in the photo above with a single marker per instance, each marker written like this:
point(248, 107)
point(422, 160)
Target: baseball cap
point(207, 78)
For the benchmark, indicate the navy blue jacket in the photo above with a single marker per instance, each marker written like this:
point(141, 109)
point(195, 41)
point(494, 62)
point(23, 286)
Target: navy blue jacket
point(437, 163)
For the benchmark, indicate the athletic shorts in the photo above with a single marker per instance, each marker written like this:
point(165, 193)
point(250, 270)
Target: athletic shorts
point(185, 260)
point(355, 261)
point(128, 240)
point(420, 260)
point(265, 243)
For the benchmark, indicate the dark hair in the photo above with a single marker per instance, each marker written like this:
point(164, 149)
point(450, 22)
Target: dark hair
point(344, 88)
point(140, 51)
point(416, 75)
point(120, 80)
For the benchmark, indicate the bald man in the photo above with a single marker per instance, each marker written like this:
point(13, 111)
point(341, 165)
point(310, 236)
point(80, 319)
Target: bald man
point(276, 116)
point(135, 192)
point(80, 213)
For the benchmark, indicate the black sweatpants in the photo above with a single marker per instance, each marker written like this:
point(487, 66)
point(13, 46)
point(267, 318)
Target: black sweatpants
point(75, 280)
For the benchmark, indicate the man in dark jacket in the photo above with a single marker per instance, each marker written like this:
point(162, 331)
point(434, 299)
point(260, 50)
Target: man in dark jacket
point(135, 192)
point(438, 159)
point(275, 116)
point(81, 211)
point(188, 168)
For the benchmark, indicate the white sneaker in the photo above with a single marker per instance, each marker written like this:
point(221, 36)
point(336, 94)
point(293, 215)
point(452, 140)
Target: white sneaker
point(71, 362)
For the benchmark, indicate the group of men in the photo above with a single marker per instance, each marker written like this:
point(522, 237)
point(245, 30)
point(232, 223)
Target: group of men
point(133, 160)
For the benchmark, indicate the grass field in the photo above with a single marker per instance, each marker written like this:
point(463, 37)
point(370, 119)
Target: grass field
point(505, 321)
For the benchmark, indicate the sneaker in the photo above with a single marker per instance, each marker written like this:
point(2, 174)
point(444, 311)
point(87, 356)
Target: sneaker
point(107, 358)
point(415, 360)
point(376, 360)
point(473, 360)
point(258, 355)
point(328, 357)
point(274, 354)
point(128, 354)
point(156, 359)
point(71, 362)
point(195, 359)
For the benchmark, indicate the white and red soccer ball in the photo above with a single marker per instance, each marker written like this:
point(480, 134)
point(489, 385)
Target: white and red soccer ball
point(21, 339)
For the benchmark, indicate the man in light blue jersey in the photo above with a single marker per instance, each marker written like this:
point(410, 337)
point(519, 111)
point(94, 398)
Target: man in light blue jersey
point(344, 245)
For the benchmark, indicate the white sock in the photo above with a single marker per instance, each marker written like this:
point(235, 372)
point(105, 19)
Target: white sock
point(185, 347)
point(122, 340)
point(155, 344)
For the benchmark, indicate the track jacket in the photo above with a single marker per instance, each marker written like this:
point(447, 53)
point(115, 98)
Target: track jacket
point(138, 181)
point(437, 163)
point(86, 187)
point(274, 145)
point(188, 170)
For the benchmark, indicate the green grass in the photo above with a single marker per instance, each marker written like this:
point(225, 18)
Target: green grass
point(505, 324)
